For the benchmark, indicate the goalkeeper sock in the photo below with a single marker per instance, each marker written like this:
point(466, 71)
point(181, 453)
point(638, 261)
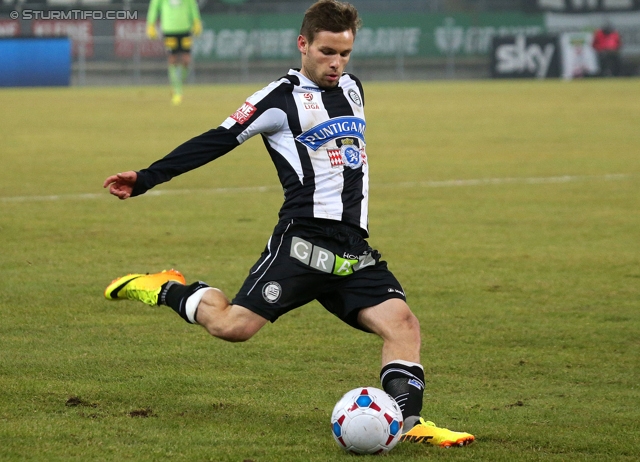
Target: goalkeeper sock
point(184, 73)
point(182, 299)
point(404, 381)
point(175, 79)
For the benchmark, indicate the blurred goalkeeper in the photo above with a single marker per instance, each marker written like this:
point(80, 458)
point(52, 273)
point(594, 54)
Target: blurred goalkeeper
point(312, 122)
point(179, 20)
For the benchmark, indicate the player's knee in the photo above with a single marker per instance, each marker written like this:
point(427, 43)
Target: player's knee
point(408, 322)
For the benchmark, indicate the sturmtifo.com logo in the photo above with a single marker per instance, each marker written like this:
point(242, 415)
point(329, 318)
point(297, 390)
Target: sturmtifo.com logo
point(73, 14)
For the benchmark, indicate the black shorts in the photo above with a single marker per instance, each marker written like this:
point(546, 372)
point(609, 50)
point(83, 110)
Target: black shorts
point(311, 259)
point(178, 43)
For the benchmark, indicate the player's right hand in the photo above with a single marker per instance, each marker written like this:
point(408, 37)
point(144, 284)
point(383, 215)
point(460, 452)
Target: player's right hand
point(121, 185)
point(152, 33)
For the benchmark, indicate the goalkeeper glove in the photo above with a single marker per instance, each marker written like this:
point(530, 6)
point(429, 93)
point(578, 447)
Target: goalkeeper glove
point(197, 27)
point(152, 33)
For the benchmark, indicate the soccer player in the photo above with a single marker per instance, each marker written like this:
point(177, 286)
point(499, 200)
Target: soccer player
point(179, 19)
point(313, 124)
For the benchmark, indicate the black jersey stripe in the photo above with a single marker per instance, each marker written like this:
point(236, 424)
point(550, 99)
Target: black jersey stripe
point(337, 105)
point(298, 196)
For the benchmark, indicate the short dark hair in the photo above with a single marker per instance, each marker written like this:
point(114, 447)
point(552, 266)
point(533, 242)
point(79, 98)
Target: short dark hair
point(331, 16)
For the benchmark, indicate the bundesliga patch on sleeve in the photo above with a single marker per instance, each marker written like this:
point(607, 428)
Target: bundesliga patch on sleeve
point(243, 113)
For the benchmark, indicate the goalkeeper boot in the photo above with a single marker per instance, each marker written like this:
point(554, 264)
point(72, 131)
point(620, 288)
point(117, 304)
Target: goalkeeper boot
point(142, 287)
point(427, 432)
point(176, 99)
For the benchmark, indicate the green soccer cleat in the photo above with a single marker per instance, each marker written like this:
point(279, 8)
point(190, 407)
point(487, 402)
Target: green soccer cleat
point(427, 432)
point(142, 287)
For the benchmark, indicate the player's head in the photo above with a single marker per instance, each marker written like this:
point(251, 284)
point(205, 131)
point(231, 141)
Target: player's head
point(331, 16)
point(326, 40)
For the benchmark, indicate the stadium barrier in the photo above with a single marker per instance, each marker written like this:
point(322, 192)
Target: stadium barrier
point(256, 47)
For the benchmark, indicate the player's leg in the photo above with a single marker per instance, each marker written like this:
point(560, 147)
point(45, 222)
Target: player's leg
point(273, 287)
point(185, 57)
point(200, 304)
point(402, 375)
point(393, 321)
point(196, 303)
point(185, 62)
point(173, 47)
point(181, 66)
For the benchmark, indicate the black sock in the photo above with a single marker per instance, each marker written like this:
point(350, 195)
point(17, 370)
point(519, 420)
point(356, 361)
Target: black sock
point(404, 381)
point(175, 296)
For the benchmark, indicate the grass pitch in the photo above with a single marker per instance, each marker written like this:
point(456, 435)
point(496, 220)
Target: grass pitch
point(508, 210)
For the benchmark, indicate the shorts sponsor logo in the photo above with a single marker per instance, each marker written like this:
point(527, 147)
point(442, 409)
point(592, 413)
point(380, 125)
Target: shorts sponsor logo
point(355, 97)
point(271, 292)
point(326, 261)
point(243, 113)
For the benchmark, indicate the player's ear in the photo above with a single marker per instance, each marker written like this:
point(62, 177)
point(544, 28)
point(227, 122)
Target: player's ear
point(303, 44)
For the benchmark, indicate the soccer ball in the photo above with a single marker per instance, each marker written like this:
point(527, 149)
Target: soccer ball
point(366, 421)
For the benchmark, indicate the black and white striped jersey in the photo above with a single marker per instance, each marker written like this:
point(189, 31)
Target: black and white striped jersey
point(315, 138)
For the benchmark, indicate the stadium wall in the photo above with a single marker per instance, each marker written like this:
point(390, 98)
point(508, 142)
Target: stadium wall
point(258, 47)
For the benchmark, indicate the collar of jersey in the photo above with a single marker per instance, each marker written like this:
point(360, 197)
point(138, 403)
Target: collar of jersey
point(305, 82)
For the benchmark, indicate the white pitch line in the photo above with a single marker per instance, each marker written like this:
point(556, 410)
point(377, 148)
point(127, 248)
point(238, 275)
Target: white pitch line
point(408, 184)
point(499, 181)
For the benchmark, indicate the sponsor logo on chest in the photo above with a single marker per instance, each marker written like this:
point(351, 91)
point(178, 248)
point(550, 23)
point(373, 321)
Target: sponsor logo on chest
point(333, 129)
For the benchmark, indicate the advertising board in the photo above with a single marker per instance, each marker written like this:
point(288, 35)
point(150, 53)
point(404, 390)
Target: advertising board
point(526, 57)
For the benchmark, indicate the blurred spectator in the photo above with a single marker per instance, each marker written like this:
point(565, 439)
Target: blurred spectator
point(606, 42)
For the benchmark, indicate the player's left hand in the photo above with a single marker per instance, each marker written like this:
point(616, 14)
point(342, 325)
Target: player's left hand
point(197, 27)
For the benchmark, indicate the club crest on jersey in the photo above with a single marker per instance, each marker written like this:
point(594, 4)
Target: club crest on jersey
point(355, 97)
point(333, 129)
point(244, 113)
point(348, 155)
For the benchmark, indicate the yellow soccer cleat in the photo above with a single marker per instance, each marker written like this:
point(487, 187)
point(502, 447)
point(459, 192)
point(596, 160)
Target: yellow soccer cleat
point(427, 432)
point(142, 287)
point(176, 99)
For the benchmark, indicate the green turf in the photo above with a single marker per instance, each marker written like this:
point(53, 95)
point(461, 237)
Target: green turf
point(508, 210)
